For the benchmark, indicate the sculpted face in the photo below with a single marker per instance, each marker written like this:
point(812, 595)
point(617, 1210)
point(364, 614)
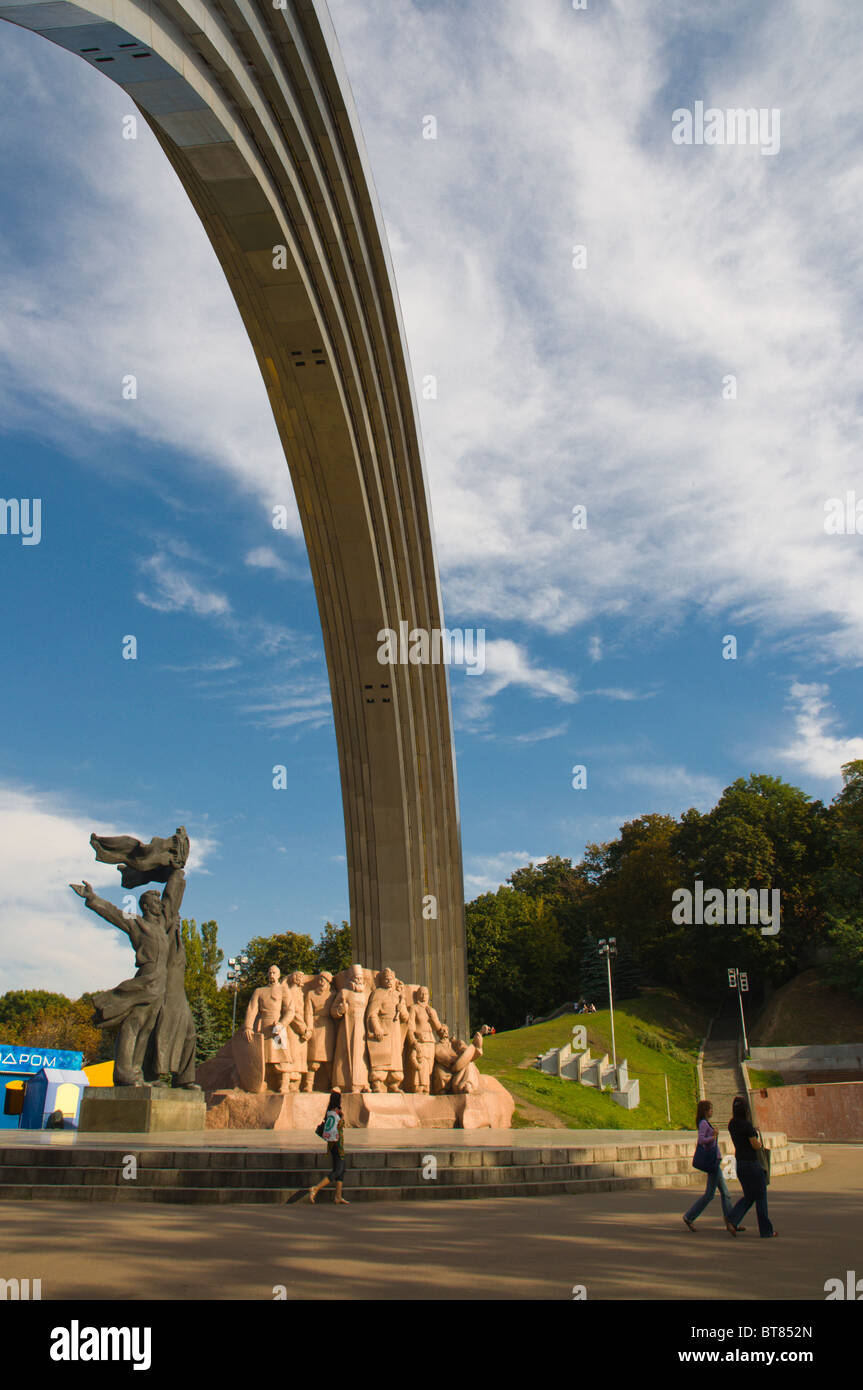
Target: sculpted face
point(274, 974)
point(151, 906)
point(323, 982)
point(356, 981)
point(422, 995)
point(388, 979)
point(296, 978)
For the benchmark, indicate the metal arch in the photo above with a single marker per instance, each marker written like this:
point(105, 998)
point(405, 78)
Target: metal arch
point(252, 108)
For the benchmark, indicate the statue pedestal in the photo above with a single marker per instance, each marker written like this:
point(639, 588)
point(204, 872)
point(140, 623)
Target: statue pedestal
point(490, 1107)
point(140, 1110)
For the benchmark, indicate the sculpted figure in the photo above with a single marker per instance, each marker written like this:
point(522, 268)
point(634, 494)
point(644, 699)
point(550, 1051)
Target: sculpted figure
point(269, 1014)
point(141, 863)
point(384, 1017)
point(454, 1070)
point(350, 1073)
point(172, 1052)
point(322, 1031)
point(423, 1029)
point(297, 1031)
point(135, 1004)
point(156, 1039)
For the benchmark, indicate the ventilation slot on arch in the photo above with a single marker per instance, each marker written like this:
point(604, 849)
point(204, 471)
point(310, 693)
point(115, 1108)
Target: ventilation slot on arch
point(302, 358)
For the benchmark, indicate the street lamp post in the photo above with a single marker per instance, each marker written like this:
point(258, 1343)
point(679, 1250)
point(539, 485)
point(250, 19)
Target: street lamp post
point(608, 948)
point(739, 980)
point(236, 964)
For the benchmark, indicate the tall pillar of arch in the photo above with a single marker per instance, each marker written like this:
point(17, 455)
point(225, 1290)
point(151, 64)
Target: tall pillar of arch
point(252, 107)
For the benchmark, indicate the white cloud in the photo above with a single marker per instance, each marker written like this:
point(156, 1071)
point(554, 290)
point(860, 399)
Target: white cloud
point(605, 386)
point(265, 558)
point(488, 872)
point(675, 785)
point(594, 648)
point(175, 592)
point(817, 747)
point(48, 938)
point(507, 665)
point(539, 735)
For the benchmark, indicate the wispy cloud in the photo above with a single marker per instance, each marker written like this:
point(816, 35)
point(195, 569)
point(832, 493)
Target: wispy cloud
point(817, 746)
point(674, 785)
point(488, 872)
point(175, 592)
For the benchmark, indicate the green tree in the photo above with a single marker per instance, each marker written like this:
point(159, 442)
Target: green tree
point(516, 954)
point(334, 951)
point(288, 950)
point(204, 958)
point(208, 1031)
point(20, 1006)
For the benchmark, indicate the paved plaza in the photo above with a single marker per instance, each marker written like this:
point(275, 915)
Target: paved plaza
point(625, 1245)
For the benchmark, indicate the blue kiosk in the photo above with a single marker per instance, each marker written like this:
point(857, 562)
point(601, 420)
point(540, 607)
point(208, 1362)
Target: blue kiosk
point(52, 1078)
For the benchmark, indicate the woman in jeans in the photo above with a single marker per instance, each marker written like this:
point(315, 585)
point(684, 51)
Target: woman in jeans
point(749, 1170)
point(708, 1137)
point(336, 1148)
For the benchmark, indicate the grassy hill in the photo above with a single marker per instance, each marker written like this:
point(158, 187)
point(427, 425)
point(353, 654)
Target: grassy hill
point(658, 1033)
point(806, 1012)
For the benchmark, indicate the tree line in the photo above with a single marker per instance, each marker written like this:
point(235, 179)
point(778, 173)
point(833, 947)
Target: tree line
point(533, 944)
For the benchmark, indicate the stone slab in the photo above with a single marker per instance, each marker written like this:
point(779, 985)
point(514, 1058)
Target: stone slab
point(141, 1110)
point(490, 1107)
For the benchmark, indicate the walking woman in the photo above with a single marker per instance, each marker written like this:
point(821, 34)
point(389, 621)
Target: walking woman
point(749, 1170)
point(708, 1142)
point(334, 1133)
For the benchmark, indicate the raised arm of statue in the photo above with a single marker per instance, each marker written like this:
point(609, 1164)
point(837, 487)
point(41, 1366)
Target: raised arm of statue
point(107, 910)
point(172, 896)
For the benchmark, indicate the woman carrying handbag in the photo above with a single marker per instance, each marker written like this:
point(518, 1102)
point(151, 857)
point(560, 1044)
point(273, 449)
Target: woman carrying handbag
point(708, 1159)
point(753, 1168)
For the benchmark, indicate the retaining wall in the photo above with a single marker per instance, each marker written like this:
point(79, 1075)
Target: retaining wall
point(827, 1110)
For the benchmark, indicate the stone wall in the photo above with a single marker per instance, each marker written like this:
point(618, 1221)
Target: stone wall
point(827, 1110)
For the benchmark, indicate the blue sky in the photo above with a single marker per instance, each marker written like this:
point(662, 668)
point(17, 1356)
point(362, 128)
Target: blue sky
point(555, 387)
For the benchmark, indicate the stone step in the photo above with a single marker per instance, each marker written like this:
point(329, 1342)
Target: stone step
point(374, 1176)
point(230, 1161)
point(26, 1175)
point(429, 1191)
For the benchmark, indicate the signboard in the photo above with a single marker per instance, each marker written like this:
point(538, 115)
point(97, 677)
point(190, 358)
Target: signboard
point(28, 1060)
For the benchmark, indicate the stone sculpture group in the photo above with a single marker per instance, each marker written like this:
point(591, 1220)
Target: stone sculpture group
point(360, 1032)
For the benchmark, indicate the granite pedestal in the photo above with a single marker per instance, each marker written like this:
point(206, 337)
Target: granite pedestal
point(141, 1110)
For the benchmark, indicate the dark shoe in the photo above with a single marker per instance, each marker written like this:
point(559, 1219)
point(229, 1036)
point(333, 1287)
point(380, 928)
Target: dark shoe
point(690, 1224)
point(730, 1227)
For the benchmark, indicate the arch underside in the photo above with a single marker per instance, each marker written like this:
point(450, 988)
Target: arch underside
point(252, 108)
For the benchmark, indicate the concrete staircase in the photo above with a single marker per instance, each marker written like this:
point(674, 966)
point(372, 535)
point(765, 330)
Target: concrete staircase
point(206, 1176)
point(572, 1065)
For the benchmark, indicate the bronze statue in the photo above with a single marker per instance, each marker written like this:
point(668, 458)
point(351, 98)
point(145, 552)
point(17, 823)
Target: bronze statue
point(155, 1044)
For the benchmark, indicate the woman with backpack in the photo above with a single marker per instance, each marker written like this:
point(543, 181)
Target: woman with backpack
point(709, 1160)
point(332, 1130)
